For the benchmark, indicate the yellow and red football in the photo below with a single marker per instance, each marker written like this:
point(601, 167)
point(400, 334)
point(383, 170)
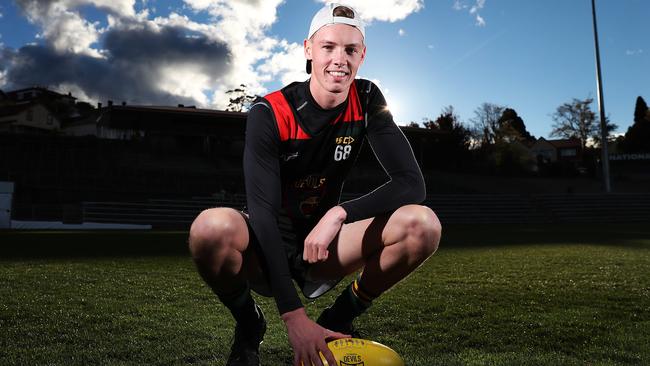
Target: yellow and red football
point(362, 352)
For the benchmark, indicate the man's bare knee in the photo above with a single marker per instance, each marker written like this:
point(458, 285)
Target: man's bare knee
point(422, 230)
point(216, 229)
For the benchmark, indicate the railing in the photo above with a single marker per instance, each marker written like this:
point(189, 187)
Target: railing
point(451, 209)
point(160, 213)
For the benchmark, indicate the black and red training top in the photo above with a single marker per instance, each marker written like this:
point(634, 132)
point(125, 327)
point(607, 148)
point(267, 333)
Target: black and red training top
point(297, 156)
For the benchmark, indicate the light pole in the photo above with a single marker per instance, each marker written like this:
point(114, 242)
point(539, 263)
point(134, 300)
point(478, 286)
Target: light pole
point(601, 107)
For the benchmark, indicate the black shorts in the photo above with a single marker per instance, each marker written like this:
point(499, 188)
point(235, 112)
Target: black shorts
point(293, 241)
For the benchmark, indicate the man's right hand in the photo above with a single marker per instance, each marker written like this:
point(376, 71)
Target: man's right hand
point(308, 339)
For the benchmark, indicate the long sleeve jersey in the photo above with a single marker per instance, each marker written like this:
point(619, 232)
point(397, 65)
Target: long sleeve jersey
point(296, 158)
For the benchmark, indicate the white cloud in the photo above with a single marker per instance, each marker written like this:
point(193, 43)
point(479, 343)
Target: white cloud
point(251, 56)
point(67, 31)
point(480, 21)
point(430, 46)
point(76, 91)
point(199, 5)
point(256, 57)
point(239, 19)
point(64, 27)
point(638, 51)
point(474, 9)
point(239, 24)
point(478, 6)
point(185, 80)
point(384, 10)
point(401, 32)
point(124, 8)
point(288, 63)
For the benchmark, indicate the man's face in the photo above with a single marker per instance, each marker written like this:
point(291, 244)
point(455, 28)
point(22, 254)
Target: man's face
point(336, 52)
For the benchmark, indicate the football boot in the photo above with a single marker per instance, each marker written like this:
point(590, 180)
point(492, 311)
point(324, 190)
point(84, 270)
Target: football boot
point(329, 320)
point(245, 350)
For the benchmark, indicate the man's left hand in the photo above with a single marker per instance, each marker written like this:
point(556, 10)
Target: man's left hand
point(322, 234)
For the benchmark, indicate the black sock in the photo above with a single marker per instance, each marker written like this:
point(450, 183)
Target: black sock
point(351, 303)
point(241, 305)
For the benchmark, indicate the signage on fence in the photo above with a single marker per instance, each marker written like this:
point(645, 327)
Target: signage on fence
point(639, 156)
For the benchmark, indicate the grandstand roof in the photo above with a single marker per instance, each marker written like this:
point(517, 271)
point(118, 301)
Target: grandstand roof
point(172, 120)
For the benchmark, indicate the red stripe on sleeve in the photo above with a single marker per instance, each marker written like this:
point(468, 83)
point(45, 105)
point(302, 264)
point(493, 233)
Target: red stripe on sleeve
point(284, 117)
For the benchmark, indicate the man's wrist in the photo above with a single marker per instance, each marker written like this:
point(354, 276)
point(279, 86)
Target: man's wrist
point(340, 214)
point(293, 314)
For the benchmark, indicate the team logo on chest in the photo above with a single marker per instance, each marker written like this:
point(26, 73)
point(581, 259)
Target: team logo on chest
point(343, 147)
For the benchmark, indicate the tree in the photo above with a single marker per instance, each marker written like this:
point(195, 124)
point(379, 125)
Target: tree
point(448, 121)
point(239, 100)
point(640, 111)
point(451, 147)
point(429, 124)
point(610, 127)
point(576, 120)
point(637, 137)
point(512, 127)
point(486, 122)
point(461, 137)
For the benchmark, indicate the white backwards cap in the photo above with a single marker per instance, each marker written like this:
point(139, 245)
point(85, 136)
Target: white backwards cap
point(325, 16)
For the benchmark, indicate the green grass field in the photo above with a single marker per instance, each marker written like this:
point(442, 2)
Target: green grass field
point(501, 295)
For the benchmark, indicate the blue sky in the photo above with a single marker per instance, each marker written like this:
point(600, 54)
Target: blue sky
point(528, 55)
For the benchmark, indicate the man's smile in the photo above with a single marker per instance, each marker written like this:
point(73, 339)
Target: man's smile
point(338, 73)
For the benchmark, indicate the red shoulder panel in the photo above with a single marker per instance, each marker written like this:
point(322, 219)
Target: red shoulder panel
point(284, 117)
point(353, 110)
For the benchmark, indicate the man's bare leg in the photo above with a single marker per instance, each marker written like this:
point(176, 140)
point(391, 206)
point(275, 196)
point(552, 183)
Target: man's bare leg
point(218, 241)
point(387, 248)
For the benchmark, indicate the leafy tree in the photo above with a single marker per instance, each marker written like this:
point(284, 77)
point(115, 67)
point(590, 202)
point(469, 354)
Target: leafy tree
point(640, 111)
point(512, 127)
point(239, 100)
point(429, 124)
point(486, 123)
point(451, 148)
point(461, 137)
point(637, 137)
point(414, 124)
point(610, 127)
point(449, 121)
point(505, 154)
point(576, 120)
